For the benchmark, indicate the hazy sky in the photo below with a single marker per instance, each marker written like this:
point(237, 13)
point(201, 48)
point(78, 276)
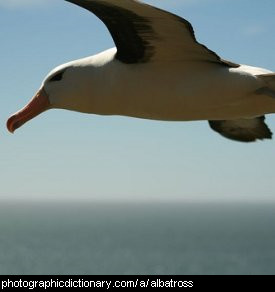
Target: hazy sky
point(66, 155)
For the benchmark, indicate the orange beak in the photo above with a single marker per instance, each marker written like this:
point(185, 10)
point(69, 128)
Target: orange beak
point(36, 106)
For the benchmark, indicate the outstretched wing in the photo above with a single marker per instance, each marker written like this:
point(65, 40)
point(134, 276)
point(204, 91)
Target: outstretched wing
point(243, 130)
point(144, 33)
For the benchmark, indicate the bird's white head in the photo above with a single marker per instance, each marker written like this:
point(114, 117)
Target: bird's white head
point(66, 87)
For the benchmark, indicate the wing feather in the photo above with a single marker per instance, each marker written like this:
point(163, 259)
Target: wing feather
point(243, 130)
point(144, 33)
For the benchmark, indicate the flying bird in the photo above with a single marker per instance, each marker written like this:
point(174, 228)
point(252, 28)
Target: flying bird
point(158, 70)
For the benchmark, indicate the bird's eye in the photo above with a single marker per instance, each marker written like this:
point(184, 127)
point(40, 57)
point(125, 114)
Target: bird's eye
point(58, 76)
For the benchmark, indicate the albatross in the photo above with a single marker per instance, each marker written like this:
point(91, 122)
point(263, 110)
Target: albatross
point(158, 70)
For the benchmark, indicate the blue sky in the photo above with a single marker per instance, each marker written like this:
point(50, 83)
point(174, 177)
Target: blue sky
point(64, 155)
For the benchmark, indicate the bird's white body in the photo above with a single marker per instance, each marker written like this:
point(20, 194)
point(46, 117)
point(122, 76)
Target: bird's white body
point(161, 90)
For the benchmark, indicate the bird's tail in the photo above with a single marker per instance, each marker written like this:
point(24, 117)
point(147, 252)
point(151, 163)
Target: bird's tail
point(269, 84)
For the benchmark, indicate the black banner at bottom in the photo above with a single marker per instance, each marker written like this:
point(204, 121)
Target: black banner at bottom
point(46, 283)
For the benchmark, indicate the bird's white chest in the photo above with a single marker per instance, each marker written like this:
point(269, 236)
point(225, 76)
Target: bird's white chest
point(169, 92)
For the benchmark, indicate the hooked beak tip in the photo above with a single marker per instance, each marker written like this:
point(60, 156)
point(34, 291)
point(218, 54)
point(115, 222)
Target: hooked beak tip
point(12, 125)
point(37, 105)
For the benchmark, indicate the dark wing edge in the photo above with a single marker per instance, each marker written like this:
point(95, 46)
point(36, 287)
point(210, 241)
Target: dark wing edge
point(131, 33)
point(190, 28)
point(242, 130)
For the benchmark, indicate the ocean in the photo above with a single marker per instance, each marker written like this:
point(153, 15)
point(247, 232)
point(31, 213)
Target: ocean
point(137, 238)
